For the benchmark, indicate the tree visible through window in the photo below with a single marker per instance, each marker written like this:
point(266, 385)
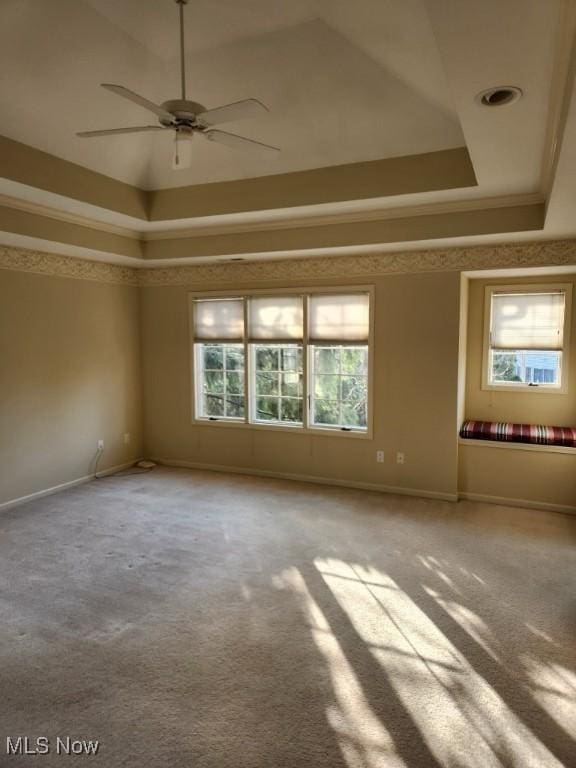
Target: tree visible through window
point(221, 369)
point(278, 383)
point(294, 360)
point(340, 386)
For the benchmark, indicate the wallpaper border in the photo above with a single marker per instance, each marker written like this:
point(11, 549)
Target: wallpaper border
point(457, 259)
point(56, 265)
point(545, 253)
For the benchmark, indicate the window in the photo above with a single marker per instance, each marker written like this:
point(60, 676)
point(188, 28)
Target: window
point(340, 386)
point(221, 373)
point(219, 356)
point(298, 361)
point(277, 377)
point(339, 330)
point(526, 339)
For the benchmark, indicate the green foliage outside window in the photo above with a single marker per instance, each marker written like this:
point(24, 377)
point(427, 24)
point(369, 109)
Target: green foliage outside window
point(222, 371)
point(340, 386)
point(278, 383)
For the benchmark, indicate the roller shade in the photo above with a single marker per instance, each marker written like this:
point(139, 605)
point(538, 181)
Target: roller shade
point(339, 317)
point(279, 318)
point(219, 320)
point(527, 321)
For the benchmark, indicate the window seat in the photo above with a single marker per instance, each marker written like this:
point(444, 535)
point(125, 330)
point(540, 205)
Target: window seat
point(535, 434)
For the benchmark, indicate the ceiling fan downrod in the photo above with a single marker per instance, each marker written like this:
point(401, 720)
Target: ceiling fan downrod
point(181, 4)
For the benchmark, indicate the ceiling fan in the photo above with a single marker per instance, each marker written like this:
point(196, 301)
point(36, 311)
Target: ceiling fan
point(187, 118)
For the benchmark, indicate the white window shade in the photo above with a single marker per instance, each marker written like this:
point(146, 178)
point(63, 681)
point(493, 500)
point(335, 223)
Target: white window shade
point(279, 318)
point(219, 320)
point(527, 321)
point(336, 317)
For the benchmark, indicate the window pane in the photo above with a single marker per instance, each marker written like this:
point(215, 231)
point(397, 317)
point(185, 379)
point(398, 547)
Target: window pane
point(291, 358)
point(214, 381)
point(291, 409)
point(327, 359)
point(266, 358)
point(526, 367)
point(234, 359)
point(327, 386)
point(292, 384)
point(267, 383)
point(355, 360)
point(340, 386)
point(354, 415)
point(220, 377)
point(235, 406)
point(234, 383)
point(213, 405)
point(213, 357)
point(267, 408)
point(277, 382)
point(326, 412)
point(354, 388)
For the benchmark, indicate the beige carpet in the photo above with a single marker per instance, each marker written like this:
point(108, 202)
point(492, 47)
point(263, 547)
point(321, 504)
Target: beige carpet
point(198, 620)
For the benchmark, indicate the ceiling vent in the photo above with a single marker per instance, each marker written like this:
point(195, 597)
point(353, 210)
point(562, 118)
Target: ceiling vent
point(499, 97)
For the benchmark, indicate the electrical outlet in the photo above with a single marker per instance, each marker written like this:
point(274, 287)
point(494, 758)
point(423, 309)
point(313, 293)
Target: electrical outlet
point(100, 445)
point(400, 458)
point(126, 438)
point(380, 457)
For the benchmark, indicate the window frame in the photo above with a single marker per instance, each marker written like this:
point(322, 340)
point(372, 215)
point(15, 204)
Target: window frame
point(517, 387)
point(306, 427)
point(252, 394)
point(199, 394)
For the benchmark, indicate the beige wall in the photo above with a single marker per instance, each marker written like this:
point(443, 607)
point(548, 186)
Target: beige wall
point(536, 477)
point(415, 394)
point(488, 471)
point(69, 375)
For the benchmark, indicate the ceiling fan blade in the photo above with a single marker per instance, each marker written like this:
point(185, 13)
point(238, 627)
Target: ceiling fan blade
point(239, 142)
point(112, 131)
point(239, 110)
point(119, 90)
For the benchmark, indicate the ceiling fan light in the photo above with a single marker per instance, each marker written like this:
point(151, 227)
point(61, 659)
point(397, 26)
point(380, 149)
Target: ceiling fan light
point(182, 150)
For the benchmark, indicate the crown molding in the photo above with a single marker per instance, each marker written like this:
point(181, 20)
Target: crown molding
point(55, 265)
point(467, 258)
point(265, 224)
point(49, 212)
point(311, 219)
point(545, 253)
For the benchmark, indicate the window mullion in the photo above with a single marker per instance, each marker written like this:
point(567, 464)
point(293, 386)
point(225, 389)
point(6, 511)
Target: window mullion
point(247, 365)
point(306, 402)
point(224, 382)
point(340, 419)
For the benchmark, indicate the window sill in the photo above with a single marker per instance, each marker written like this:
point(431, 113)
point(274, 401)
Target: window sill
point(295, 430)
point(511, 446)
point(525, 389)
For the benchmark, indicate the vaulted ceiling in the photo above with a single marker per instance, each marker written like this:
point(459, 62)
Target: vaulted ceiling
point(372, 103)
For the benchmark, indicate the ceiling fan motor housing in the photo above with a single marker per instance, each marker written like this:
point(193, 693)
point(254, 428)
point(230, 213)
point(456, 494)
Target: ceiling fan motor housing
point(184, 112)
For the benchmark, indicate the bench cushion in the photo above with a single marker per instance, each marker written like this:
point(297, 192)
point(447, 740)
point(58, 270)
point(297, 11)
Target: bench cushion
point(519, 433)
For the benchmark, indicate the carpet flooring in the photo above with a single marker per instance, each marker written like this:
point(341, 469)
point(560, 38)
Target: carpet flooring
point(201, 620)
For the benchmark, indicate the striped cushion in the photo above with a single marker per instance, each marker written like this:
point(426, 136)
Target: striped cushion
point(519, 433)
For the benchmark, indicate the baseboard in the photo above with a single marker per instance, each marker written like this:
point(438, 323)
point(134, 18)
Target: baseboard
point(309, 479)
point(63, 486)
point(525, 503)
